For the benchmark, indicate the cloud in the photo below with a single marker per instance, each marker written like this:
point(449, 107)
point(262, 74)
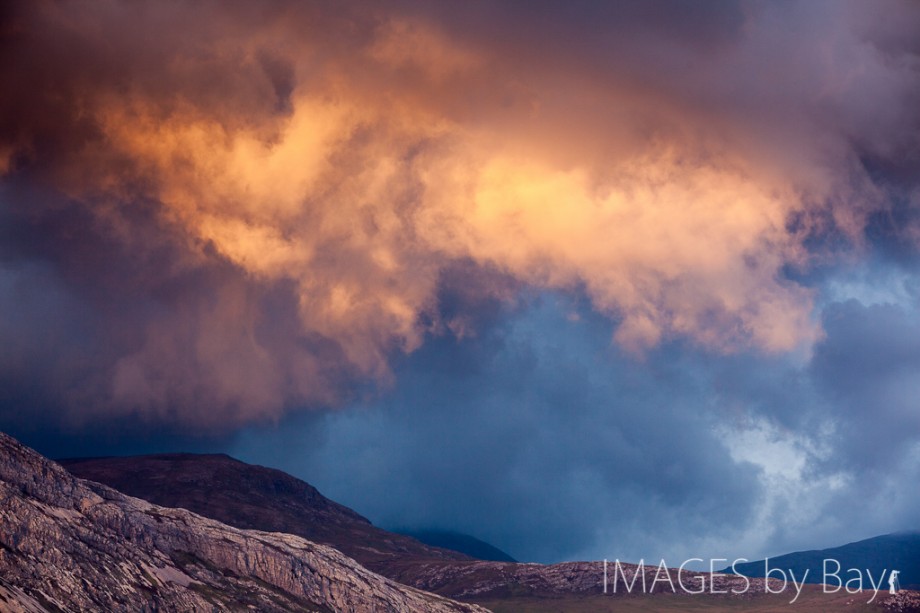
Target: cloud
point(262, 203)
point(539, 437)
point(869, 367)
point(547, 441)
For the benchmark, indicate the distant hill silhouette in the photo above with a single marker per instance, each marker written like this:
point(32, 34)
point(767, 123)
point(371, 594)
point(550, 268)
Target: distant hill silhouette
point(457, 541)
point(899, 551)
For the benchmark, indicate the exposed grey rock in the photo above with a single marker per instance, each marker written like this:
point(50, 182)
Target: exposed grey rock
point(73, 545)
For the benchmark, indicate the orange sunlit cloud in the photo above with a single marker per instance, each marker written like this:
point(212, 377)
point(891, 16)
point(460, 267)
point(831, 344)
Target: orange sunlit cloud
point(357, 171)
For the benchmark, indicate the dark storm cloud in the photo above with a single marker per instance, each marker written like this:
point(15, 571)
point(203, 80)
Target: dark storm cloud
point(869, 365)
point(537, 436)
point(543, 439)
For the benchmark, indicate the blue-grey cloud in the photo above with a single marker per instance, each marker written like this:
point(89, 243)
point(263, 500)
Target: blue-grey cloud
point(538, 435)
point(542, 437)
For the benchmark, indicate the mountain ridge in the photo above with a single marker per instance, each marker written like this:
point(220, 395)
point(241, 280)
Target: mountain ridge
point(458, 541)
point(254, 497)
point(897, 550)
point(71, 544)
point(567, 586)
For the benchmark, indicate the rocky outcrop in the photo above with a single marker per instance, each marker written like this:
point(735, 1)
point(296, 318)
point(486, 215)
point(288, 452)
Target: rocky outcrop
point(902, 602)
point(73, 545)
point(480, 580)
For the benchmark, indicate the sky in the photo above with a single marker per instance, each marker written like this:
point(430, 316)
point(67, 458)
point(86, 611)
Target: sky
point(585, 280)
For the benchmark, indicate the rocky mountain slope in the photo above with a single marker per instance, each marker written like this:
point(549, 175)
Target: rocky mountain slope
point(254, 497)
point(72, 545)
point(248, 496)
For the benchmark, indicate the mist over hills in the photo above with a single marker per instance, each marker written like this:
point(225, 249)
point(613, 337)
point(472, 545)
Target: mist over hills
point(458, 541)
